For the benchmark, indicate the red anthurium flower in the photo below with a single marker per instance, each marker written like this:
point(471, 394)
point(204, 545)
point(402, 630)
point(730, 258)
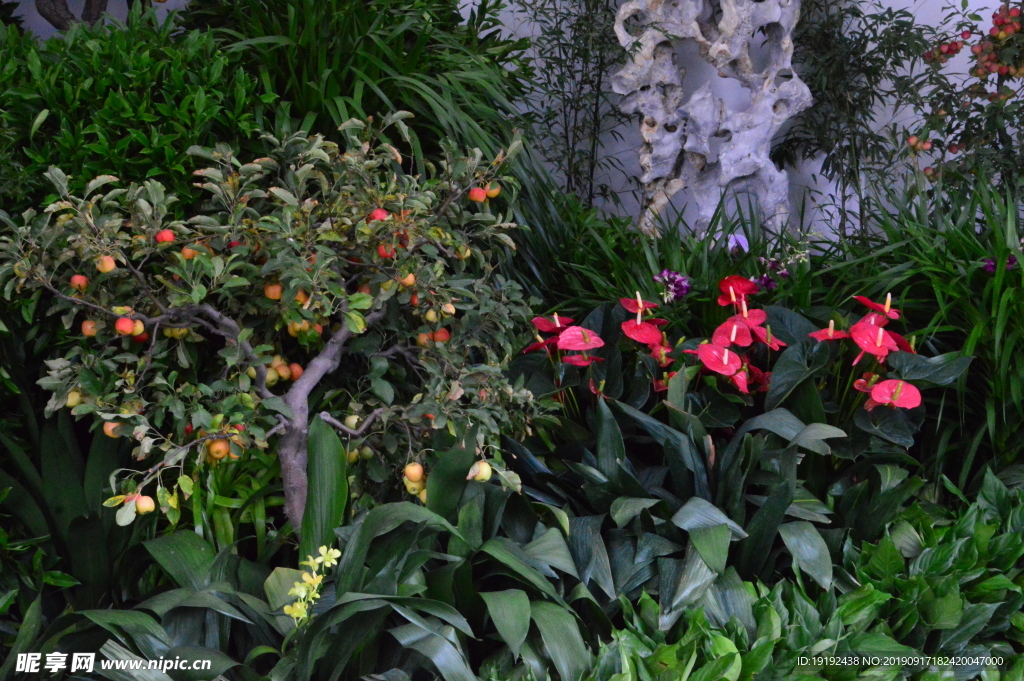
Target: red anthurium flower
point(734, 289)
point(739, 379)
point(660, 353)
point(657, 322)
point(642, 332)
point(872, 339)
point(875, 319)
point(901, 342)
point(581, 360)
point(732, 333)
point(637, 304)
point(661, 385)
point(544, 343)
point(553, 324)
point(865, 384)
point(764, 334)
point(760, 379)
point(578, 338)
point(886, 309)
point(896, 393)
point(718, 359)
point(749, 317)
point(829, 334)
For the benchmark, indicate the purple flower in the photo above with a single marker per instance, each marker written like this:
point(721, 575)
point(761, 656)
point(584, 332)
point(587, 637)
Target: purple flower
point(990, 264)
point(676, 285)
point(765, 281)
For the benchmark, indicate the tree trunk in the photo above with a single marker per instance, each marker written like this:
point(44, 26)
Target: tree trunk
point(57, 13)
point(93, 11)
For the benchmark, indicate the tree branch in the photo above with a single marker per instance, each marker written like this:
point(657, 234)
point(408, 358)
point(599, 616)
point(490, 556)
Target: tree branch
point(358, 432)
point(233, 331)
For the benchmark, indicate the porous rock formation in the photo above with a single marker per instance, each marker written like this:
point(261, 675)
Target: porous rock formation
point(697, 143)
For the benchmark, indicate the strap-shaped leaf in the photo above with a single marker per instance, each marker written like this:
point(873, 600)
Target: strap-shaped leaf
point(510, 612)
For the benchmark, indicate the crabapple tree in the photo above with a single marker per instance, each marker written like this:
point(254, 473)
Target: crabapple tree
point(317, 281)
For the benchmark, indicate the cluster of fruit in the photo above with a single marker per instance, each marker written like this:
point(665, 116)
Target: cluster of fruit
point(943, 53)
point(415, 479)
point(279, 370)
point(481, 194)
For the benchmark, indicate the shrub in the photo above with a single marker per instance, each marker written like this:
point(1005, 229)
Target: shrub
point(118, 100)
point(330, 259)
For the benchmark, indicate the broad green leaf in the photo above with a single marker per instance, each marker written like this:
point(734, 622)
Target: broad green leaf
point(810, 553)
point(185, 557)
point(327, 491)
point(562, 640)
point(625, 509)
point(940, 370)
point(510, 612)
point(610, 448)
point(712, 543)
point(698, 513)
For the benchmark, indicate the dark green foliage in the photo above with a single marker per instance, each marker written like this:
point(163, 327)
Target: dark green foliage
point(321, 63)
point(118, 100)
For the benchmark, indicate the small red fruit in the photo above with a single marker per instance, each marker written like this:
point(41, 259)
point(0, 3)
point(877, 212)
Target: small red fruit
point(442, 335)
point(273, 291)
point(378, 214)
point(124, 326)
point(296, 370)
point(965, 35)
point(164, 236)
point(189, 429)
point(189, 253)
point(88, 328)
point(79, 282)
point(478, 194)
point(141, 338)
point(106, 264)
point(234, 244)
point(493, 190)
point(144, 504)
point(386, 251)
point(364, 288)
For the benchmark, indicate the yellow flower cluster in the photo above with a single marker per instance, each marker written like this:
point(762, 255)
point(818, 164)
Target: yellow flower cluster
point(307, 591)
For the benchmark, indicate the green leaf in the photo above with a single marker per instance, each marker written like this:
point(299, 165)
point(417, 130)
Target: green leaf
point(795, 365)
point(810, 553)
point(382, 389)
point(355, 322)
point(712, 543)
point(562, 640)
point(698, 514)
point(447, 478)
point(886, 561)
point(610, 448)
point(448, 659)
point(678, 447)
point(360, 301)
point(24, 642)
point(36, 123)
point(185, 556)
point(940, 370)
point(55, 578)
point(625, 509)
point(510, 611)
point(327, 491)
